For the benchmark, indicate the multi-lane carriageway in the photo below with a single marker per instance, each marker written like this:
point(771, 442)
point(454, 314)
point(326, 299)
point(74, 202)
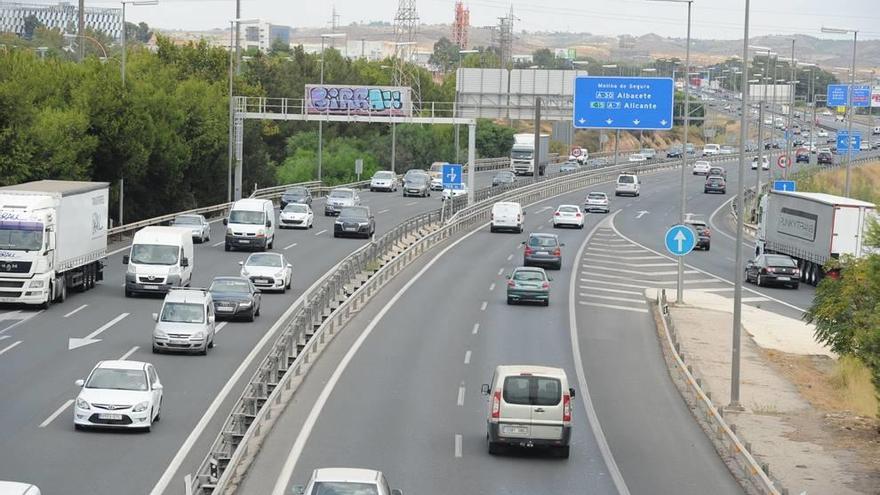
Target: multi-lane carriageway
point(437, 342)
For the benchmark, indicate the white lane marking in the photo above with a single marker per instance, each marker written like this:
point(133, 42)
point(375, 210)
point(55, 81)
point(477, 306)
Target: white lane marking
point(74, 342)
point(222, 395)
point(621, 251)
point(2, 337)
point(540, 227)
point(542, 210)
point(612, 298)
point(635, 272)
point(467, 357)
point(305, 432)
point(19, 322)
point(492, 287)
point(613, 306)
point(77, 310)
point(220, 327)
point(613, 246)
point(716, 289)
point(218, 243)
point(56, 413)
point(476, 329)
point(457, 445)
point(622, 258)
point(754, 299)
point(9, 347)
point(730, 259)
point(129, 353)
point(460, 400)
point(649, 265)
point(509, 257)
point(483, 306)
point(321, 232)
point(584, 391)
point(500, 270)
point(386, 210)
point(187, 483)
point(411, 203)
point(712, 220)
point(616, 291)
point(716, 277)
point(290, 246)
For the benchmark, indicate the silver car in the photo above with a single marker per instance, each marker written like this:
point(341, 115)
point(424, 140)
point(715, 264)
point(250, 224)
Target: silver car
point(185, 323)
point(543, 250)
point(201, 229)
point(339, 198)
point(597, 201)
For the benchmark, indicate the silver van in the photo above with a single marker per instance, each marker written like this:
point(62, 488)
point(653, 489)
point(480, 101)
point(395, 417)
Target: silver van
point(628, 184)
point(186, 322)
point(529, 406)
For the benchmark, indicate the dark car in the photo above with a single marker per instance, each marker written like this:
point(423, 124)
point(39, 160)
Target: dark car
point(296, 195)
point(773, 269)
point(503, 178)
point(417, 185)
point(543, 250)
point(355, 221)
point(704, 234)
point(674, 152)
point(719, 171)
point(715, 184)
point(235, 297)
point(825, 158)
point(803, 157)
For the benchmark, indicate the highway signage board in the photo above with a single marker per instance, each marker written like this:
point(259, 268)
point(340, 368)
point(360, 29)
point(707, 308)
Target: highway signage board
point(836, 95)
point(784, 185)
point(861, 96)
point(843, 143)
point(452, 176)
point(680, 240)
point(635, 103)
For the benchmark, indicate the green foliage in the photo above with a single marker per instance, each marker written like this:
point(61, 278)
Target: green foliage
point(445, 54)
point(493, 140)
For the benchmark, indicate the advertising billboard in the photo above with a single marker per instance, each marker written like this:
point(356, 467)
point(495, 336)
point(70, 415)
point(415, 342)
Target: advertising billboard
point(344, 99)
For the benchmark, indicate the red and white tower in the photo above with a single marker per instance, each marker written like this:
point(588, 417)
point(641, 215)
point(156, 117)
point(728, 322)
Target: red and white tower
point(461, 25)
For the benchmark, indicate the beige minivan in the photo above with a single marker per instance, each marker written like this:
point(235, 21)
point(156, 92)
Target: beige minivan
point(529, 406)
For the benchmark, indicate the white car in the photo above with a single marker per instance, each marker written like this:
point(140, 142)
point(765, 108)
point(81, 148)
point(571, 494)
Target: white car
point(119, 394)
point(436, 183)
point(268, 271)
point(296, 216)
point(765, 163)
point(727, 150)
point(628, 184)
point(711, 149)
point(637, 157)
point(597, 201)
point(701, 167)
point(341, 481)
point(201, 229)
point(383, 180)
point(569, 215)
point(454, 193)
point(822, 133)
point(838, 118)
point(827, 113)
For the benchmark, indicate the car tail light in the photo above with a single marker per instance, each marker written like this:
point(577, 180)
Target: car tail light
point(556, 214)
point(529, 250)
point(557, 252)
point(491, 216)
point(707, 232)
point(518, 218)
point(566, 407)
point(496, 404)
point(763, 270)
point(578, 215)
point(545, 285)
point(511, 283)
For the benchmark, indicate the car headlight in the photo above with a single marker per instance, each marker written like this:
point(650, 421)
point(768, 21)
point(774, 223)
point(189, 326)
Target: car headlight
point(245, 304)
point(37, 284)
point(160, 334)
point(140, 407)
point(199, 335)
point(244, 272)
point(228, 231)
point(173, 270)
point(81, 404)
point(279, 275)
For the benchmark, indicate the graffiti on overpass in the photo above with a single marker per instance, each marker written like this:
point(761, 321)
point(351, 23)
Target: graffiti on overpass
point(357, 100)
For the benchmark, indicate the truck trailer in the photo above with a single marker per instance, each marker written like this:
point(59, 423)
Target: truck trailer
point(53, 237)
point(812, 228)
point(522, 155)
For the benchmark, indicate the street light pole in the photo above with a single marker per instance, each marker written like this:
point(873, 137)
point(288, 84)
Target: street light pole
point(849, 94)
point(455, 101)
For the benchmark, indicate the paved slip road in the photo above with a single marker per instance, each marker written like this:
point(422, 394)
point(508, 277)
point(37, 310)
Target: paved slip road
point(408, 402)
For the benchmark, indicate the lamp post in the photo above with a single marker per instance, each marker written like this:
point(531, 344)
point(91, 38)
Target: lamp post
point(93, 40)
point(321, 121)
point(679, 296)
point(234, 176)
point(124, 33)
point(849, 107)
point(455, 98)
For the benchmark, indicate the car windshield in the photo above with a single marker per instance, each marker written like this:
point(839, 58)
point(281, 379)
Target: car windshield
point(21, 236)
point(569, 209)
point(416, 180)
point(528, 276)
point(272, 260)
point(176, 312)
point(596, 196)
point(296, 192)
point(625, 179)
point(716, 171)
point(230, 286)
point(383, 175)
point(338, 194)
point(343, 488)
point(295, 208)
point(187, 220)
point(117, 379)
point(542, 241)
point(247, 217)
point(503, 175)
point(779, 261)
point(353, 214)
point(154, 254)
point(521, 155)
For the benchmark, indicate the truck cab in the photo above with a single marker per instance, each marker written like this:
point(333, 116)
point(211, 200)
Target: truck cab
point(522, 155)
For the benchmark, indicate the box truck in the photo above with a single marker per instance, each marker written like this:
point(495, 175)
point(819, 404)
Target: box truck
point(53, 237)
point(522, 155)
point(812, 228)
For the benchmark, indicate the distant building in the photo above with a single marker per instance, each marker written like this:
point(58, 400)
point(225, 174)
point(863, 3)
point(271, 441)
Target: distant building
point(63, 16)
point(261, 35)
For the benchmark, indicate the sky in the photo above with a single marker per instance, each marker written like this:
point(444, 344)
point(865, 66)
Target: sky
point(712, 19)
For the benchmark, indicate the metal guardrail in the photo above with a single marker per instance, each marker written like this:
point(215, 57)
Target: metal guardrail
point(757, 475)
point(340, 294)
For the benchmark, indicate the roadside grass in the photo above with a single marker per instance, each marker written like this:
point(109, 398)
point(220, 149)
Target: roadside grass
point(851, 380)
point(864, 181)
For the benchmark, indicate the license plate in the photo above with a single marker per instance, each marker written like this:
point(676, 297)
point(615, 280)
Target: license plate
point(179, 341)
point(515, 430)
point(542, 252)
point(785, 279)
point(151, 287)
point(244, 241)
point(109, 416)
point(350, 229)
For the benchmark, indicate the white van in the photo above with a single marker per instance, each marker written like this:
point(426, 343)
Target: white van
point(529, 406)
point(160, 258)
point(507, 215)
point(251, 224)
point(13, 488)
point(711, 149)
point(628, 184)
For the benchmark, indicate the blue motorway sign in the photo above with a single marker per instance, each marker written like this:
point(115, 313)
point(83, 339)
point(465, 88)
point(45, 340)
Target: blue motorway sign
point(784, 185)
point(637, 103)
point(843, 143)
point(837, 95)
point(680, 240)
point(451, 176)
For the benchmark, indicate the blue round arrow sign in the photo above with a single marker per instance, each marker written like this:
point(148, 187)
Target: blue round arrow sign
point(680, 240)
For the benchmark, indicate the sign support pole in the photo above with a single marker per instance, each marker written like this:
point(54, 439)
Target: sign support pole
point(679, 286)
point(472, 160)
point(852, 110)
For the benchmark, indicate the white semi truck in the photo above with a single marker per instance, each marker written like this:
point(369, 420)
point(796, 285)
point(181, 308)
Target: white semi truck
point(522, 156)
point(53, 237)
point(812, 228)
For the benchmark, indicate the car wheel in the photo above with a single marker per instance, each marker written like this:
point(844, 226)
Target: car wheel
point(555, 226)
point(128, 293)
point(335, 234)
point(226, 247)
point(546, 302)
point(494, 447)
point(211, 344)
point(159, 412)
point(492, 229)
point(707, 247)
point(78, 427)
point(257, 312)
point(759, 281)
point(562, 452)
point(581, 226)
point(558, 266)
point(156, 350)
point(204, 350)
point(208, 238)
point(251, 316)
point(510, 300)
point(289, 282)
point(795, 286)
point(150, 424)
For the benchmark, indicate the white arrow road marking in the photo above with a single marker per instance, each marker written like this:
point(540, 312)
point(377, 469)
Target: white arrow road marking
point(9, 347)
point(641, 214)
point(74, 343)
point(56, 413)
point(129, 353)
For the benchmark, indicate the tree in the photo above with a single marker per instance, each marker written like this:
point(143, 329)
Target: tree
point(445, 55)
point(493, 140)
point(143, 32)
point(279, 46)
point(31, 23)
point(544, 58)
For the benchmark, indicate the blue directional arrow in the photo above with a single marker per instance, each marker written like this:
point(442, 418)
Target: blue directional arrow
point(680, 240)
